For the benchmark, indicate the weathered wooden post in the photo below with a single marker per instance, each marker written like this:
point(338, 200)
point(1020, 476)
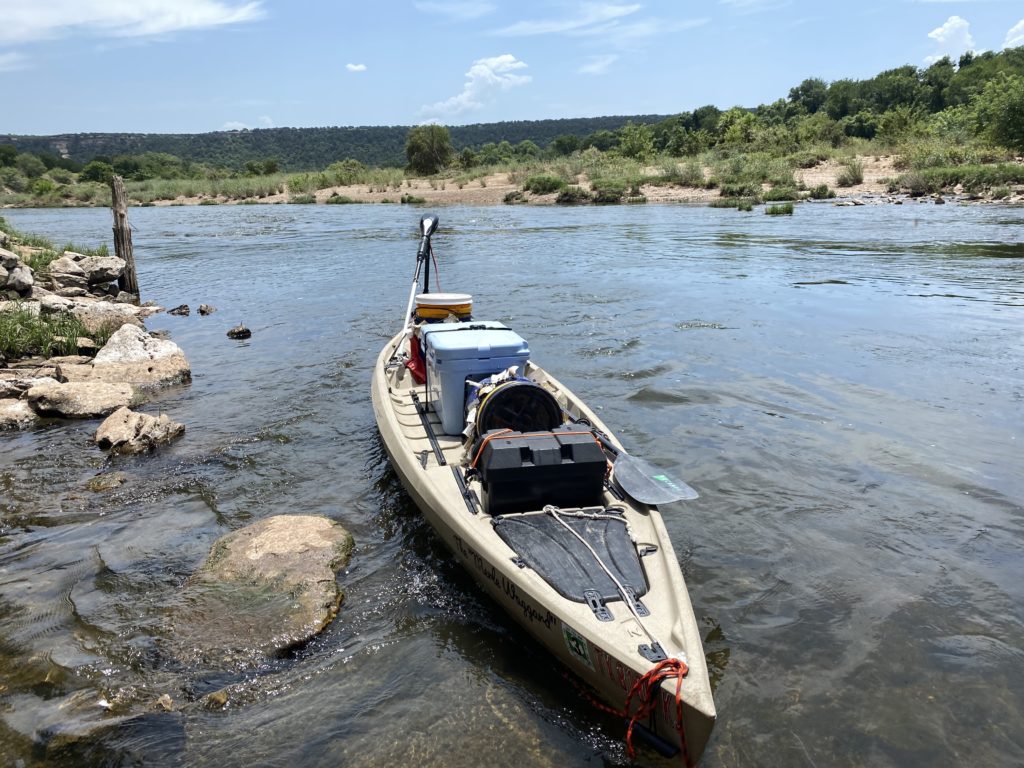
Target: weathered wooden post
point(123, 237)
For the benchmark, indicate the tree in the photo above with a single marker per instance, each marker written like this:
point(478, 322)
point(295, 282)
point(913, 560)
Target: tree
point(97, 170)
point(7, 155)
point(565, 144)
point(810, 94)
point(637, 141)
point(999, 111)
point(30, 165)
point(428, 148)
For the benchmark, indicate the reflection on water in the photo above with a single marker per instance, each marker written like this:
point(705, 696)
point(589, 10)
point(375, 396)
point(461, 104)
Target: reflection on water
point(843, 387)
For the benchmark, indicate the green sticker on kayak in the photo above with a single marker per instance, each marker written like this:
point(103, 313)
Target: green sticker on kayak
point(577, 645)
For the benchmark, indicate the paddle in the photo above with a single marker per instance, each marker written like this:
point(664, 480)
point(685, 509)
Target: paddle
point(428, 225)
point(642, 481)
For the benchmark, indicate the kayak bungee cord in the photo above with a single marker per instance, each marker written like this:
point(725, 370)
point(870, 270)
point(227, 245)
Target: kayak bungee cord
point(648, 684)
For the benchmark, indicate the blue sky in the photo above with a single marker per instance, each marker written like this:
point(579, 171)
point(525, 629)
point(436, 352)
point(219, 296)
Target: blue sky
point(203, 65)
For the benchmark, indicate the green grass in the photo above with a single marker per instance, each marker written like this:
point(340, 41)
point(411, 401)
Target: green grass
point(543, 184)
point(341, 200)
point(851, 174)
point(776, 194)
point(23, 333)
point(572, 195)
point(739, 203)
point(1000, 193)
point(822, 192)
point(785, 209)
point(302, 199)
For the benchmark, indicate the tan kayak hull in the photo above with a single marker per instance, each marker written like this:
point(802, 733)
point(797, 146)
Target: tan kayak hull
point(603, 654)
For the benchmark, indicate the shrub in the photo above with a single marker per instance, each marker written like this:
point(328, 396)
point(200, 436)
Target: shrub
point(341, 200)
point(785, 209)
point(1000, 193)
point(691, 175)
point(209, 201)
point(513, 197)
point(571, 195)
point(780, 193)
point(608, 190)
point(822, 192)
point(543, 184)
point(740, 189)
point(302, 199)
point(851, 174)
point(745, 205)
point(412, 200)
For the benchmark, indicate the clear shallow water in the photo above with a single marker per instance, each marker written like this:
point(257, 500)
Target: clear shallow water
point(844, 387)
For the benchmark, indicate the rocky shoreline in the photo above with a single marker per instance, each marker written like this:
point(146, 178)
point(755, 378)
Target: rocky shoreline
point(263, 589)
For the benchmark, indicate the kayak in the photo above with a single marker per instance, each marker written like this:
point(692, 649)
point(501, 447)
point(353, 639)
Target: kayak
point(536, 498)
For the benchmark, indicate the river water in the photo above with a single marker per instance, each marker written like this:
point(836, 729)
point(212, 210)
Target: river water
point(844, 387)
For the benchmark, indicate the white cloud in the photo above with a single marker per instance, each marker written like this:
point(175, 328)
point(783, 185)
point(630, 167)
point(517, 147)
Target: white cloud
point(484, 77)
point(263, 121)
point(355, 67)
point(11, 62)
point(598, 65)
point(590, 15)
point(1015, 36)
point(29, 20)
point(456, 11)
point(953, 39)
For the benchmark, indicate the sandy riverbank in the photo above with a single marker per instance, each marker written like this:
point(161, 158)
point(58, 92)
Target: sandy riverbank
point(492, 189)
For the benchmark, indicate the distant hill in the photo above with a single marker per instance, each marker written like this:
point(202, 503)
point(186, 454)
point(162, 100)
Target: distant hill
point(302, 149)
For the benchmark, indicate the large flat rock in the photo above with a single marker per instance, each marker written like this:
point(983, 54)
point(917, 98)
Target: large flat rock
point(262, 590)
point(79, 400)
point(127, 432)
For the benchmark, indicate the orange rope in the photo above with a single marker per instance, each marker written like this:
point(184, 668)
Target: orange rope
point(647, 687)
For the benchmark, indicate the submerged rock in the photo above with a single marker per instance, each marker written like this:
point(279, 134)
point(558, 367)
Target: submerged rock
point(127, 432)
point(182, 310)
point(262, 589)
point(206, 309)
point(239, 332)
point(79, 400)
point(106, 481)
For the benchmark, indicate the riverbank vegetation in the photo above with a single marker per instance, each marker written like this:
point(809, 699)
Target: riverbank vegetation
point(952, 125)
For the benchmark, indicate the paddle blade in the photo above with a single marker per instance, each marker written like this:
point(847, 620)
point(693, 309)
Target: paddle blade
point(648, 484)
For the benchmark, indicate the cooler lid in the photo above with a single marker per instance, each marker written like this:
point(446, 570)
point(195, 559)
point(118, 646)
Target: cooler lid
point(477, 339)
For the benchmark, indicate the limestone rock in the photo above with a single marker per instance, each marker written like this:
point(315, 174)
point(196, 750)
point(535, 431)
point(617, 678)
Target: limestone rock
point(239, 332)
point(15, 414)
point(3, 275)
point(65, 265)
point(206, 309)
point(127, 432)
point(102, 269)
point(52, 304)
point(8, 259)
point(262, 589)
point(20, 279)
point(17, 385)
point(181, 310)
point(96, 315)
point(79, 400)
point(133, 355)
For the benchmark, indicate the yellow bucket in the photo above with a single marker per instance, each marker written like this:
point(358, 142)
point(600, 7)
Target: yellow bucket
point(438, 306)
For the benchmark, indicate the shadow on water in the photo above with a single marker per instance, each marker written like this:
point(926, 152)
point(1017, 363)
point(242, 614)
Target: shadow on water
point(853, 558)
